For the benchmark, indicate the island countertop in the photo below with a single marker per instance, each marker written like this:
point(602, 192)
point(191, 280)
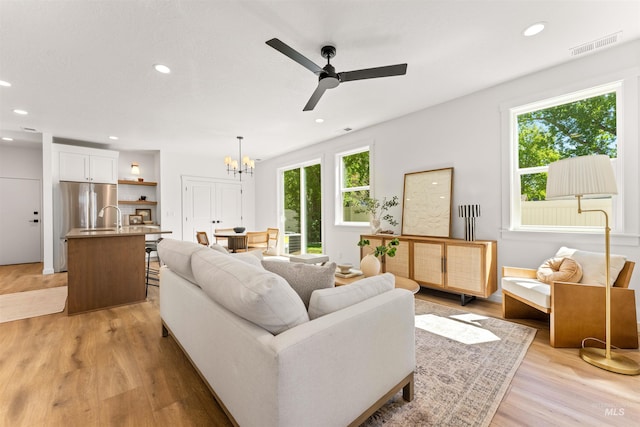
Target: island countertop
point(127, 230)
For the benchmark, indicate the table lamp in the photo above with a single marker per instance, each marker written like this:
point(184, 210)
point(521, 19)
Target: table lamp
point(592, 177)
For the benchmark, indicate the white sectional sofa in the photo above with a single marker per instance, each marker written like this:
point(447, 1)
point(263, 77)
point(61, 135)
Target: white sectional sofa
point(334, 370)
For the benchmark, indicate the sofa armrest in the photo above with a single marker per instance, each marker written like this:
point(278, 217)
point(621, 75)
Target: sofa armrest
point(519, 272)
point(337, 366)
point(578, 312)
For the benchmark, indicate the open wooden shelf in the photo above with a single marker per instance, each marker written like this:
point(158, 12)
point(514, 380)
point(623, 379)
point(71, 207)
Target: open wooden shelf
point(137, 202)
point(148, 183)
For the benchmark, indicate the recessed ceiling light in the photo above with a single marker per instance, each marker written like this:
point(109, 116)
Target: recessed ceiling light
point(162, 68)
point(319, 120)
point(6, 138)
point(115, 138)
point(21, 112)
point(3, 83)
point(534, 29)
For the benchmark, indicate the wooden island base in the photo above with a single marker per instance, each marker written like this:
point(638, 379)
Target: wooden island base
point(105, 272)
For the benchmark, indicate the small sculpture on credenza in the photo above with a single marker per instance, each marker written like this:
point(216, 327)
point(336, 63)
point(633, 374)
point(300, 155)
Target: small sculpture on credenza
point(469, 213)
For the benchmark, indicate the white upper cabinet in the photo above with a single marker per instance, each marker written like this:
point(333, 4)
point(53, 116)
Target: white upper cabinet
point(88, 165)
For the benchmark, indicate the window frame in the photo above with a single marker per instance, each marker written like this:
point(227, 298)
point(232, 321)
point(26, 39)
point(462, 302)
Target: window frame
point(340, 190)
point(515, 212)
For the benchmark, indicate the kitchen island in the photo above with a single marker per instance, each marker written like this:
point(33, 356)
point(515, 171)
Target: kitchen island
point(106, 267)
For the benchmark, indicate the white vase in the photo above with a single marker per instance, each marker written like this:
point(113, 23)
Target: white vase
point(375, 225)
point(370, 265)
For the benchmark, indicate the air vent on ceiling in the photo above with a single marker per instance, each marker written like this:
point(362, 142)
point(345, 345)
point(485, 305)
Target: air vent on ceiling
point(29, 129)
point(596, 44)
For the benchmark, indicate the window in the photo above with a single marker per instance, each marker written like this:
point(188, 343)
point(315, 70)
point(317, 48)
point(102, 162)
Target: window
point(353, 183)
point(578, 124)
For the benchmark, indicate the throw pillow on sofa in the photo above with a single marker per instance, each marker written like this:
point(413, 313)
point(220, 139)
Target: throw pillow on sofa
point(304, 278)
point(325, 301)
point(559, 270)
point(250, 292)
point(594, 265)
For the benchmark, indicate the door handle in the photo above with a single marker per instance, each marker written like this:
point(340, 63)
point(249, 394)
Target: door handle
point(34, 220)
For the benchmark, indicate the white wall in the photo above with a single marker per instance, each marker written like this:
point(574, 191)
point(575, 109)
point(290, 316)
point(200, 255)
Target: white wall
point(20, 162)
point(176, 164)
point(467, 134)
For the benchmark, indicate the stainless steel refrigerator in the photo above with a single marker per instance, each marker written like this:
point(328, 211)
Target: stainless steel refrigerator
point(76, 206)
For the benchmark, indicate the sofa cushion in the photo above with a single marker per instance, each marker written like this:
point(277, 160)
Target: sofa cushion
point(559, 270)
point(248, 291)
point(176, 254)
point(253, 258)
point(594, 266)
point(219, 248)
point(325, 301)
point(304, 278)
point(530, 289)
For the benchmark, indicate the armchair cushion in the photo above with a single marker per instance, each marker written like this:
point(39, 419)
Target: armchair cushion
point(529, 289)
point(593, 265)
point(559, 270)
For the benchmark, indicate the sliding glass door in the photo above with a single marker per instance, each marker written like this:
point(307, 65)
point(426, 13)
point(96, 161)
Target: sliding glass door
point(302, 208)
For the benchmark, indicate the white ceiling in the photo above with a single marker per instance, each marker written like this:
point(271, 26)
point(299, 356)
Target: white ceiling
point(83, 69)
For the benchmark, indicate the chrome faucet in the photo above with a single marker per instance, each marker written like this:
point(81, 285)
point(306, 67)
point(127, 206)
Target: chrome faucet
point(118, 219)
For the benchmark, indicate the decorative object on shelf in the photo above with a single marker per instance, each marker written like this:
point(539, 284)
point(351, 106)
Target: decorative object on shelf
point(239, 229)
point(142, 198)
point(345, 268)
point(145, 214)
point(469, 213)
point(377, 211)
point(426, 210)
point(370, 264)
point(135, 219)
point(587, 177)
point(246, 166)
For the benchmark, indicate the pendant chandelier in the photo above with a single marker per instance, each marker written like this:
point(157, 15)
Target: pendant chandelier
point(233, 165)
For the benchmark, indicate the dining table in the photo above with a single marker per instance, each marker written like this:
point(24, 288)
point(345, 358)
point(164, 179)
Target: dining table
point(235, 240)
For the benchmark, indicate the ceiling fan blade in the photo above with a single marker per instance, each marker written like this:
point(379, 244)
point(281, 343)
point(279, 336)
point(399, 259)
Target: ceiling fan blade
point(371, 73)
point(295, 55)
point(317, 94)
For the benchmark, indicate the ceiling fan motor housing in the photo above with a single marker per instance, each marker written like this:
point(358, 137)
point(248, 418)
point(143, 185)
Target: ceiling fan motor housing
point(328, 77)
point(328, 52)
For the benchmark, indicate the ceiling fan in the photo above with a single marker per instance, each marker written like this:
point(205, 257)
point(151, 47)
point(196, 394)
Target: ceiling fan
point(327, 76)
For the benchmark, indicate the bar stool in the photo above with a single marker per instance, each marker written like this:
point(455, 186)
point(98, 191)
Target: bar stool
point(151, 246)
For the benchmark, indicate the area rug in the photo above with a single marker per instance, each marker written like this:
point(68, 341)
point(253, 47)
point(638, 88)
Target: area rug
point(464, 365)
point(22, 305)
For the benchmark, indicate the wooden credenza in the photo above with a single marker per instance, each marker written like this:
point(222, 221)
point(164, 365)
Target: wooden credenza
point(452, 265)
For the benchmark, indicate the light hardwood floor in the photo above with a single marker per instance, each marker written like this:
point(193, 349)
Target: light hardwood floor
point(112, 367)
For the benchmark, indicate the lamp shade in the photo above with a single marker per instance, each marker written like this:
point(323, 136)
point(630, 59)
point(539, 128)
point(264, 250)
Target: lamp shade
point(586, 176)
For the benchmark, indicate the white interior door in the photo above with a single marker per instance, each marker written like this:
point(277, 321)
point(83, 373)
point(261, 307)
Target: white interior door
point(229, 203)
point(20, 213)
point(209, 204)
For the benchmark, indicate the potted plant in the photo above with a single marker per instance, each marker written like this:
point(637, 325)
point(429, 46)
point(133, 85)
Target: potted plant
point(377, 211)
point(370, 264)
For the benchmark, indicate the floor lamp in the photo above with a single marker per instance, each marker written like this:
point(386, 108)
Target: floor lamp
point(592, 177)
